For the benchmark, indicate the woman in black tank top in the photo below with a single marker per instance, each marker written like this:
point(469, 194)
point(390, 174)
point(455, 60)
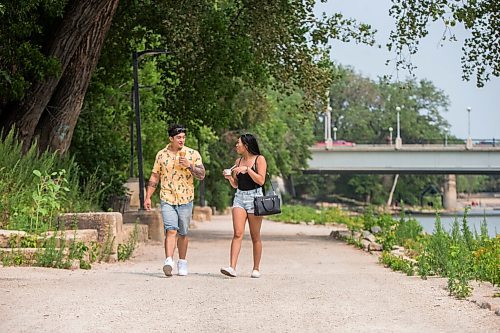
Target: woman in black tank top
point(248, 177)
point(245, 182)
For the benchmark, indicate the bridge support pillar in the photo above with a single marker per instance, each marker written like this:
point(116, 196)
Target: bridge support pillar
point(450, 192)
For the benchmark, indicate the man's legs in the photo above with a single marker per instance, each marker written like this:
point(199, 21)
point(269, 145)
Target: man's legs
point(182, 245)
point(184, 213)
point(170, 224)
point(170, 236)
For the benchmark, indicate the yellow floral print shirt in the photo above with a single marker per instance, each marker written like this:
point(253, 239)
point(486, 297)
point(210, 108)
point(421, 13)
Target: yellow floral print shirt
point(177, 185)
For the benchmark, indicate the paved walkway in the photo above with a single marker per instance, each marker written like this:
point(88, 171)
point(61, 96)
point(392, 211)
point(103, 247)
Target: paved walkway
point(309, 283)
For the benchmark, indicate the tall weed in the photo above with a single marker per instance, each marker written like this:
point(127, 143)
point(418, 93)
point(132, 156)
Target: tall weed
point(19, 183)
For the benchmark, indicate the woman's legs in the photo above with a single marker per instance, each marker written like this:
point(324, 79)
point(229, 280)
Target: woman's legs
point(239, 219)
point(254, 223)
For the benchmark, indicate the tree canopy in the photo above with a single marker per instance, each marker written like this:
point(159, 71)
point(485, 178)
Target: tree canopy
point(261, 66)
point(481, 50)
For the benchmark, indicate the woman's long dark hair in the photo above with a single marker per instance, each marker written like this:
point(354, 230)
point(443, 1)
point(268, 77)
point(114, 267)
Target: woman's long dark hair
point(251, 143)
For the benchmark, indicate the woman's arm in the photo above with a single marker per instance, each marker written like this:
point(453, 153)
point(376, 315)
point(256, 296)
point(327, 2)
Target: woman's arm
point(233, 180)
point(259, 176)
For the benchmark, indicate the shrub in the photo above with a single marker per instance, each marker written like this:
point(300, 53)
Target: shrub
point(36, 187)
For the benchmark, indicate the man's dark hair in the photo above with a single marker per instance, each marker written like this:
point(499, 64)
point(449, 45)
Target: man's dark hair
point(175, 129)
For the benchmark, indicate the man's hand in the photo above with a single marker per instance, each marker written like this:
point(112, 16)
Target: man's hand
point(147, 204)
point(184, 162)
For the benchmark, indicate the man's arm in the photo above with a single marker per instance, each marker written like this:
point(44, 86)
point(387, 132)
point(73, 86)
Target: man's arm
point(198, 171)
point(150, 189)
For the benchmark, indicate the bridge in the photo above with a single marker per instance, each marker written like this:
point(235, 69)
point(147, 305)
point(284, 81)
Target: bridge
point(405, 159)
point(408, 159)
point(332, 156)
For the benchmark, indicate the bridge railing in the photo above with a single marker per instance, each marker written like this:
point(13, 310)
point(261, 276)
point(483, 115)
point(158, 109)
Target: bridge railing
point(493, 142)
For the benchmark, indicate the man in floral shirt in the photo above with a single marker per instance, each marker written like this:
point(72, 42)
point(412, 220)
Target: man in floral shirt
point(175, 168)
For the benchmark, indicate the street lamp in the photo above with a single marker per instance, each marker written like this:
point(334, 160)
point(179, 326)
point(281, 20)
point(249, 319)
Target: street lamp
point(328, 121)
point(335, 134)
point(390, 135)
point(446, 130)
point(469, 139)
point(399, 142)
point(468, 127)
point(135, 63)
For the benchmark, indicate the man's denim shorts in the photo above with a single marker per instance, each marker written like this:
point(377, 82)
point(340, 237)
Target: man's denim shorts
point(176, 217)
point(244, 199)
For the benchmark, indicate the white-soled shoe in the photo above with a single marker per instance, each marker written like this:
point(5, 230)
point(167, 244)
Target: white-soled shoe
point(229, 271)
point(255, 274)
point(168, 266)
point(182, 267)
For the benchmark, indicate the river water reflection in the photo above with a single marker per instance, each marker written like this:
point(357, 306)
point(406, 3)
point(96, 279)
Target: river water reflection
point(474, 219)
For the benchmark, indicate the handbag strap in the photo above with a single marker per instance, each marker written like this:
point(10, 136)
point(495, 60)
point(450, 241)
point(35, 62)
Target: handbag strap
point(267, 176)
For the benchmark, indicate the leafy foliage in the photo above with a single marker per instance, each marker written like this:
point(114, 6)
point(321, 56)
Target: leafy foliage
point(481, 49)
point(299, 213)
point(363, 110)
point(23, 24)
point(28, 196)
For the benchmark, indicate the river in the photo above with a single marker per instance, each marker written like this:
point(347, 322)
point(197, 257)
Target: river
point(474, 219)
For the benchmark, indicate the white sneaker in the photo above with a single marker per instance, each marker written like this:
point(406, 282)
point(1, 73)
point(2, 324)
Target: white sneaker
point(255, 274)
point(168, 266)
point(182, 267)
point(229, 271)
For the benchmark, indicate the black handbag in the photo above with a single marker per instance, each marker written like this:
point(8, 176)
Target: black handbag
point(267, 204)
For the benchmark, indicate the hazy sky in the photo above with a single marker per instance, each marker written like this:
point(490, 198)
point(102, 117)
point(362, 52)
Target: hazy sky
point(441, 65)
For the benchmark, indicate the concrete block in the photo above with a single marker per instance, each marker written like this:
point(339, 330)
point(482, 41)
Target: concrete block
point(151, 218)
point(85, 236)
point(202, 214)
point(132, 186)
point(128, 229)
point(108, 225)
point(5, 236)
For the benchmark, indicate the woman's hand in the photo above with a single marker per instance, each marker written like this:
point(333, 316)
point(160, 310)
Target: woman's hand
point(241, 169)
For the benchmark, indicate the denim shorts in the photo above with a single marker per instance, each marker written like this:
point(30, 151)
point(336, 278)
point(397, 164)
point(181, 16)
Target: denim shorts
point(176, 217)
point(244, 199)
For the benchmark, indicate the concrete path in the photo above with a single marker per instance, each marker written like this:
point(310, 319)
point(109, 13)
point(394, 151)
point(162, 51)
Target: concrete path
point(309, 283)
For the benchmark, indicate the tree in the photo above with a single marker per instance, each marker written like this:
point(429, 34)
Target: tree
point(50, 107)
point(363, 110)
point(481, 51)
point(217, 48)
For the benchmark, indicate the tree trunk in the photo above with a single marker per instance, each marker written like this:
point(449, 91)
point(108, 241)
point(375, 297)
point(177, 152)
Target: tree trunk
point(78, 19)
point(58, 122)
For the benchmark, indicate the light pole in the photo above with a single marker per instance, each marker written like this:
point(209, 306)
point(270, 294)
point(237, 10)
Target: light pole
point(446, 130)
point(135, 64)
point(468, 122)
point(390, 136)
point(131, 174)
point(399, 142)
point(335, 134)
point(328, 122)
point(469, 139)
